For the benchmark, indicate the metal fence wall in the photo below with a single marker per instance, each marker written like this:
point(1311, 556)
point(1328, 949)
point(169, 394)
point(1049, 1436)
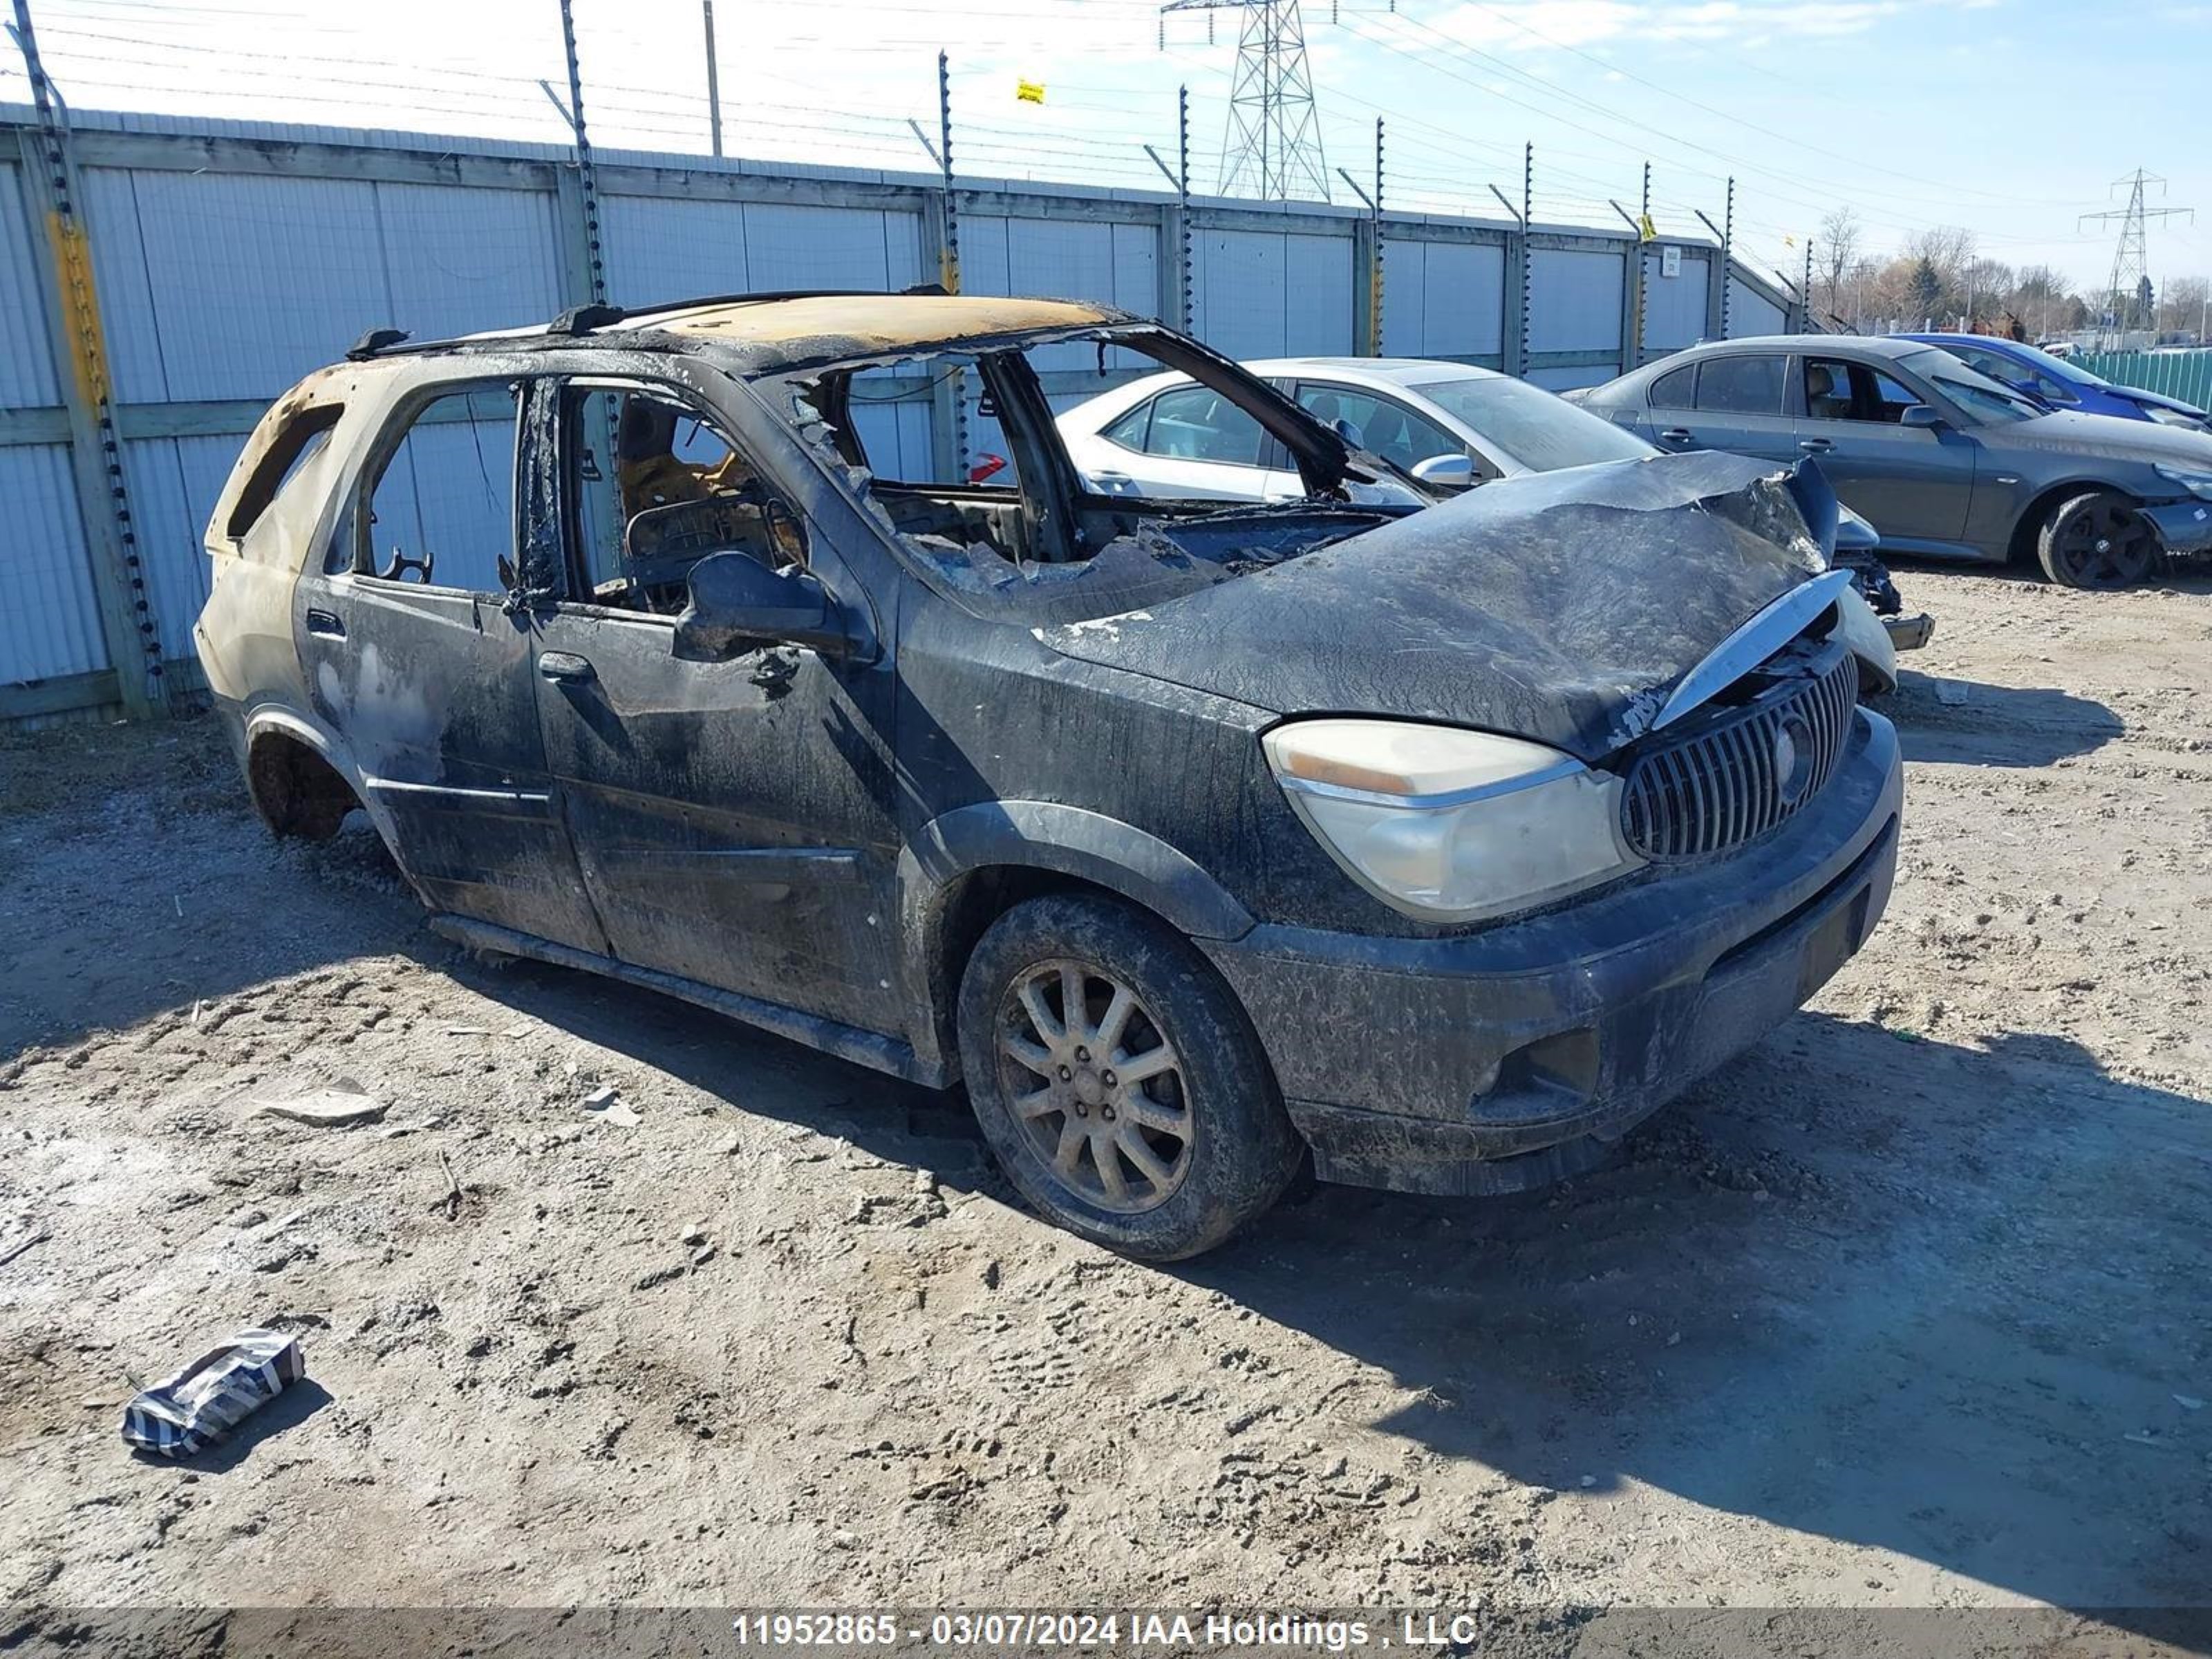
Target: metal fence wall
point(230, 258)
point(2186, 375)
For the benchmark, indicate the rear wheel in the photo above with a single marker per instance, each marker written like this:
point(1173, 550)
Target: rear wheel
point(1118, 1080)
point(2097, 540)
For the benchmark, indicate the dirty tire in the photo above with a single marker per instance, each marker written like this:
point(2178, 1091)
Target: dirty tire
point(2096, 540)
point(1167, 1162)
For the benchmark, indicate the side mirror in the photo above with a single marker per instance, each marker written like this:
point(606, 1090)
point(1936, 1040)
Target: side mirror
point(1446, 471)
point(1351, 434)
point(1921, 415)
point(738, 603)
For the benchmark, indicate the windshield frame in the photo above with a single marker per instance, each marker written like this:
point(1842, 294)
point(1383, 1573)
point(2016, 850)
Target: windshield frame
point(1138, 565)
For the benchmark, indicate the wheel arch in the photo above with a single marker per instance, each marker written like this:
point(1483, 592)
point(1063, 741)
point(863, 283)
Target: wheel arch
point(970, 866)
point(2021, 548)
point(300, 783)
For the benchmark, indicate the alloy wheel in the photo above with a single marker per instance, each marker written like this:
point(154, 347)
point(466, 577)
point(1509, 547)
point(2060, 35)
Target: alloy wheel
point(1095, 1086)
point(2104, 544)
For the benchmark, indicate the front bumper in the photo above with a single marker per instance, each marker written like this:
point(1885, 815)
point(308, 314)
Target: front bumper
point(1909, 633)
point(2185, 528)
point(1495, 1060)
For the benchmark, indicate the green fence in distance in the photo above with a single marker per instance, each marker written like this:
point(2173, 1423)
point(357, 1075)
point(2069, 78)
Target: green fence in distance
point(2186, 375)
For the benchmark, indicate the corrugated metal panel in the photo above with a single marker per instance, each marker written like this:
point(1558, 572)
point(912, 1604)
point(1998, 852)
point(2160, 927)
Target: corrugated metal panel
point(1674, 306)
point(250, 281)
point(462, 259)
point(49, 617)
point(830, 247)
point(1063, 260)
point(1575, 299)
point(173, 485)
point(661, 248)
point(1317, 305)
point(1443, 299)
point(1751, 312)
point(1567, 379)
point(27, 366)
point(1268, 294)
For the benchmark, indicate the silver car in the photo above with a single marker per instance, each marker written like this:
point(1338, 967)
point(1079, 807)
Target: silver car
point(1445, 424)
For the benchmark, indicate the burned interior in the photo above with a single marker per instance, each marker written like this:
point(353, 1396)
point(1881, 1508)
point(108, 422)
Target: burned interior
point(956, 452)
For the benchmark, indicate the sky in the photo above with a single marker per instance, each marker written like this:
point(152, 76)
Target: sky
point(2010, 118)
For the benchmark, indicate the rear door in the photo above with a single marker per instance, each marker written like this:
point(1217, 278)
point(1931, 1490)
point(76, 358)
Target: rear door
point(414, 656)
point(1189, 441)
point(1734, 401)
point(1913, 484)
point(733, 820)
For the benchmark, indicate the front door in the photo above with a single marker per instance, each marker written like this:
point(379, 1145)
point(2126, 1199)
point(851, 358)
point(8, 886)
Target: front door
point(1190, 442)
point(1911, 483)
point(414, 658)
point(733, 820)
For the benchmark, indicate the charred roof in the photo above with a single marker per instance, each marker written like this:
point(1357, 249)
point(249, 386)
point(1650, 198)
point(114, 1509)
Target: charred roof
point(770, 333)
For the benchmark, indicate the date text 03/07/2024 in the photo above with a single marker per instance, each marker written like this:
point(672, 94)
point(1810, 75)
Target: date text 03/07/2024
point(1029, 1630)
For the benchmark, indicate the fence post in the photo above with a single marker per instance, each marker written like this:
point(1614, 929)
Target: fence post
point(1516, 317)
point(1728, 260)
point(73, 322)
point(1174, 257)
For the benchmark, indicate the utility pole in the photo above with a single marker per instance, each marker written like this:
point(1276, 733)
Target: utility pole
point(2131, 258)
point(713, 80)
point(1807, 289)
point(1274, 129)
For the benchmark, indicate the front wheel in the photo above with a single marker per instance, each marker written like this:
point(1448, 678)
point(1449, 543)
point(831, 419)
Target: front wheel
point(1118, 1080)
point(2097, 540)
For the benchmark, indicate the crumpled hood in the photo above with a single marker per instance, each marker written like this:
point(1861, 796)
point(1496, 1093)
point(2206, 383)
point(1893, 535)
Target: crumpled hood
point(1559, 606)
point(2114, 437)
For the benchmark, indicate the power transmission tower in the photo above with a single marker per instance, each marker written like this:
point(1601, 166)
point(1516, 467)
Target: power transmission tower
point(1273, 148)
point(2131, 258)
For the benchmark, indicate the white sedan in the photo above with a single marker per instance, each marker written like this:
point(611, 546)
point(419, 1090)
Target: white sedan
point(1447, 423)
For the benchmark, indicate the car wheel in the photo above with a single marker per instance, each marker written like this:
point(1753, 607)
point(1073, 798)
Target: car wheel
point(1118, 1080)
point(2097, 540)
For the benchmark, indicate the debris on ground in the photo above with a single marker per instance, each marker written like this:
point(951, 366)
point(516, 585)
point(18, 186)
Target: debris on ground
point(605, 1104)
point(194, 1407)
point(339, 1107)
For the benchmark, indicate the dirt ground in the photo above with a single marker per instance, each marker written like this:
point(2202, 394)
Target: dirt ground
point(1908, 1308)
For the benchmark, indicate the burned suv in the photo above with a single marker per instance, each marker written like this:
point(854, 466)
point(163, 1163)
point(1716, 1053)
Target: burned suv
point(768, 652)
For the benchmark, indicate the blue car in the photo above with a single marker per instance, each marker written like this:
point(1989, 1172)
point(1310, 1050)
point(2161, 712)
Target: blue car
point(2060, 385)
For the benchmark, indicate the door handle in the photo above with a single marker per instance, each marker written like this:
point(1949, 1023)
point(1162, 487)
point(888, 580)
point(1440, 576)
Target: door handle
point(567, 667)
point(1677, 435)
point(326, 623)
point(1816, 446)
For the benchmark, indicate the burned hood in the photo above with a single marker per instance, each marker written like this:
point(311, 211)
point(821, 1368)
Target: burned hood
point(1559, 607)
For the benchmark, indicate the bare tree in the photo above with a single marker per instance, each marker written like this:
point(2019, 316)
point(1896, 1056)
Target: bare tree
point(1837, 252)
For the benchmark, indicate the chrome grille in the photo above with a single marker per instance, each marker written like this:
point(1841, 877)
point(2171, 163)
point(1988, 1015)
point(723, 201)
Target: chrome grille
point(1721, 782)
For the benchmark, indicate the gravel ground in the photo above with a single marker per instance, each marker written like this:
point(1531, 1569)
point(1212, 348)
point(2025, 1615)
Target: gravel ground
point(1908, 1308)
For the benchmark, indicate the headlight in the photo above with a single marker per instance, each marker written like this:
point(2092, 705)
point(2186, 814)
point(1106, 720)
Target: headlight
point(1448, 824)
point(2195, 482)
point(2174, 417)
